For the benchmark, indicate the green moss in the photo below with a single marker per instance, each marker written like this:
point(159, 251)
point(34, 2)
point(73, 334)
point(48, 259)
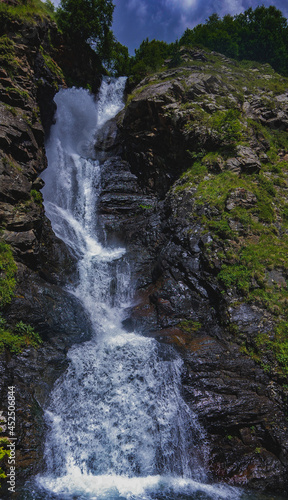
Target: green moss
point(275, 344)
point(265, 210)
point(37, 196)
point(146, 207)
point(236, 275)
point(251, 263)
point(22, 93)
point(221, 227)
point(10, 163)
point(284, 211)
point(8, 270)
point(7, 54)
point(51, 64)
point(191, 177)
point(11, 109)
point(243, 216)
point(21, 336)
point(189, 326)
point(215, 190)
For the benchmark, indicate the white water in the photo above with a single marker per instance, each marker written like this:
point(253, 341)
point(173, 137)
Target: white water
point(119, 427)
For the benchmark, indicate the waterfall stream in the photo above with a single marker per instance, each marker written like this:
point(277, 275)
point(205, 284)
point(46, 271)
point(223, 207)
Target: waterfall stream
point(118, 425)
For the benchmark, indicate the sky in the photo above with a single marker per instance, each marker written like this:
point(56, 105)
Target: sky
point(135, 20)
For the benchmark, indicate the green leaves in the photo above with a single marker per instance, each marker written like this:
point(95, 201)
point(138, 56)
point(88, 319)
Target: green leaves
point(259, 35)
point(150, 56)
point(87, 20)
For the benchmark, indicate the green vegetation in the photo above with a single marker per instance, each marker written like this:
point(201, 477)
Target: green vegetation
point(83, 21)
point(21, 336)
point(249, 244)
point(8, 270)
point(270, 350)
point(37, 196)
point(149, 57)
point(26, 10)
point(21, 93)
point(51, 64)
point(119, 62)
point(227, 125)
point(245, 213)
point(146, 207)
point(189, 326)
point(258, 35)
point(4, 441)
point(7, 54)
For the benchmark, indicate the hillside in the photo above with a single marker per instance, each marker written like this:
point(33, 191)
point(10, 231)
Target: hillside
point(207, 142)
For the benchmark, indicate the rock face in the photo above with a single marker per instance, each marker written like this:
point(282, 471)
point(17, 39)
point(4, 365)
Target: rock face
point(187, 200)
point(29, 78)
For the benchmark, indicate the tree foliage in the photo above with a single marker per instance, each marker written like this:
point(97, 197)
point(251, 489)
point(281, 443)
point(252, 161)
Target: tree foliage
point(259, 35)
point(88, 21)
point(149, 57)
point(120, 61)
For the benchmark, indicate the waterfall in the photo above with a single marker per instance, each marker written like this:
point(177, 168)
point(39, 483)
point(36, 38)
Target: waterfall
point(118, 425)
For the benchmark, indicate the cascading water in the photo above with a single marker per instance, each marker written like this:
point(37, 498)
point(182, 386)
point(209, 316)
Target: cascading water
point(119, 427)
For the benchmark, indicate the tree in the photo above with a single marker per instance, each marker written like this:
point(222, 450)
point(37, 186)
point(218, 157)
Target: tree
point(87, 21)
point(263, 33)
point(259, 35)
point(216, 34)
point(149, 57)
point(152, 53)
point(120, 60)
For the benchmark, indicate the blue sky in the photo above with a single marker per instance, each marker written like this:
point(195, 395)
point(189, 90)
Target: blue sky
point(167, 20)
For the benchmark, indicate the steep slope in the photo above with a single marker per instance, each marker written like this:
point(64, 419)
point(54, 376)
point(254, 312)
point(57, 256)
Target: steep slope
point(34, 263)
point(200, 198)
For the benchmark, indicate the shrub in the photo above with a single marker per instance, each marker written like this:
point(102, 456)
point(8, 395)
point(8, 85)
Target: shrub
point(15, 341)
point(8, 270)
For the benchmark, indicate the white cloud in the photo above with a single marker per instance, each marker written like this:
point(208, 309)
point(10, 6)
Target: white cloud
point(232, 7)
point(139, 6)
point(182, 4)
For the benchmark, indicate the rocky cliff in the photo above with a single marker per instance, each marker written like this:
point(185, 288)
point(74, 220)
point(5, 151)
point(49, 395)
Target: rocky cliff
point(199, 194)
point(196, 188)
point(35, 265)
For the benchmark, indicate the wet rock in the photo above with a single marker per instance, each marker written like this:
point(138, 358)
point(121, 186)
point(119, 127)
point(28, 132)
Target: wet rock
point(44, 264)
point(14, 185)
point(53, 311)
point(179, 299)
